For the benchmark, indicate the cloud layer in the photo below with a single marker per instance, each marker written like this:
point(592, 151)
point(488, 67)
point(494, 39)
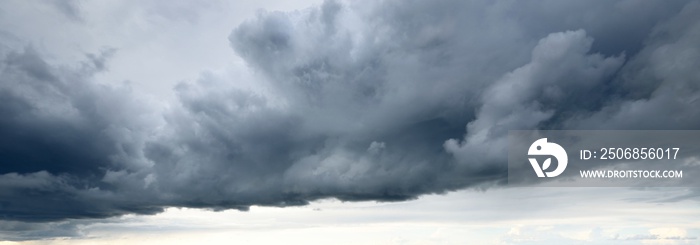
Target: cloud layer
point(383, 101)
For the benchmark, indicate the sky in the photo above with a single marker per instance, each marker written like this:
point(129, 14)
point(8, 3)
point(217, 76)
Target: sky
point(381, 122)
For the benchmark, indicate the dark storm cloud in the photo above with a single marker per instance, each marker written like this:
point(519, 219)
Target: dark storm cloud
point(381, 101)
point(660, 86)
point(61, 137)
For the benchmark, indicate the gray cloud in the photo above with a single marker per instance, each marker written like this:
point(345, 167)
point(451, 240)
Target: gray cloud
point(659, 86)
point(70, 9)
point(562, 79)
point(383, 101)
point(62, 134)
